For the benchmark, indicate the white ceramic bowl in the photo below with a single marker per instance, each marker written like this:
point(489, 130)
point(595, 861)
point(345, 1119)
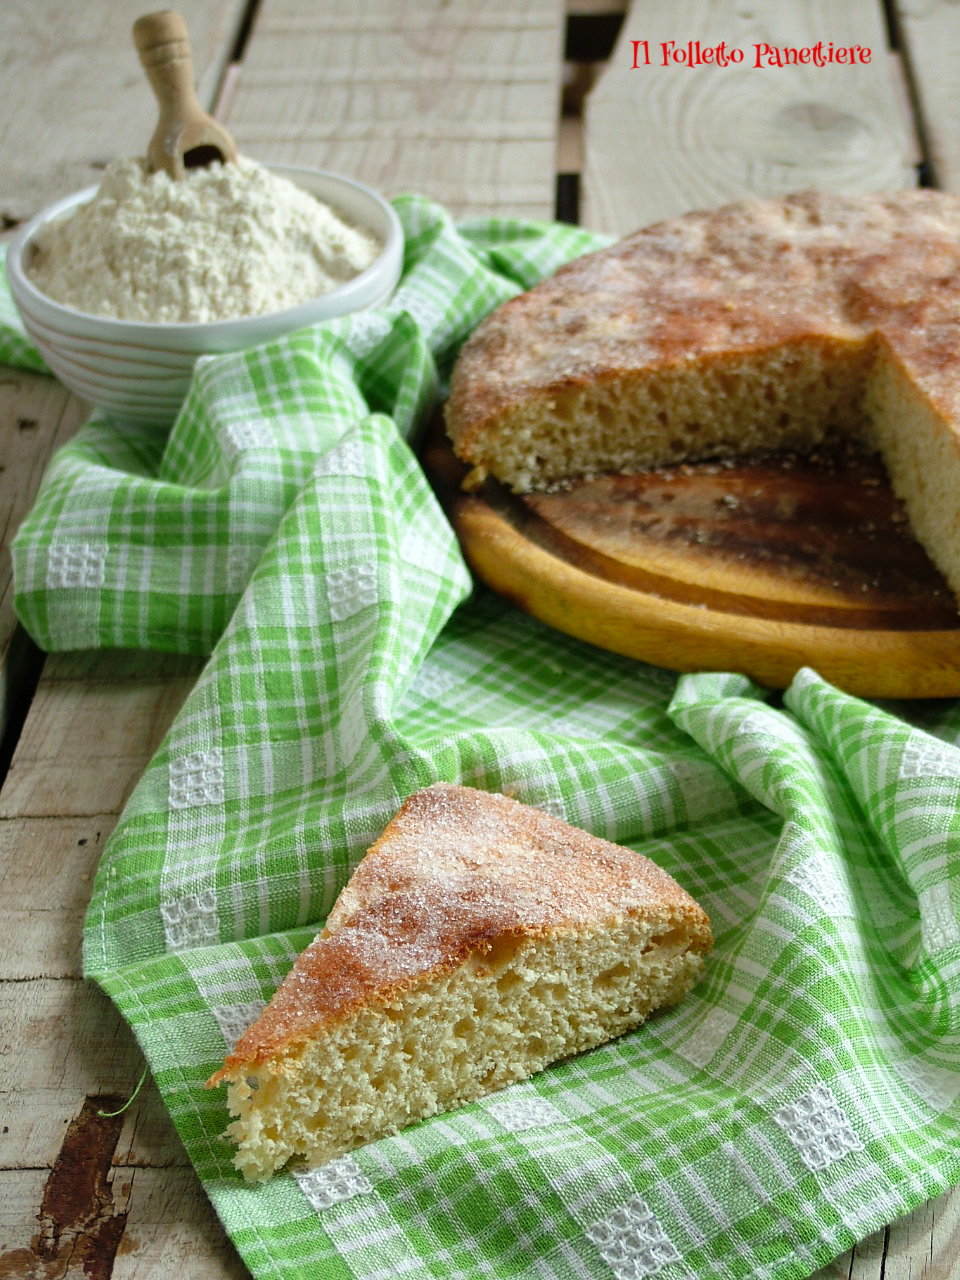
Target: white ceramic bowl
point(140, 372)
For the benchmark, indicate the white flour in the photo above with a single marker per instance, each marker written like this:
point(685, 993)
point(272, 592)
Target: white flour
point(230, 240)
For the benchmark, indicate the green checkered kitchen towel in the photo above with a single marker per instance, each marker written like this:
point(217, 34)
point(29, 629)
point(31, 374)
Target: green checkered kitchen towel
point(805, 1093)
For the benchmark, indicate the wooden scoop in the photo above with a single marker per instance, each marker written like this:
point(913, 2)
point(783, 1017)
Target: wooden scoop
point(185, 136)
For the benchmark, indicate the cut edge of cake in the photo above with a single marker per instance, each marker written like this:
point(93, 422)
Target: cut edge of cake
point(478, 941)
point(756, 327)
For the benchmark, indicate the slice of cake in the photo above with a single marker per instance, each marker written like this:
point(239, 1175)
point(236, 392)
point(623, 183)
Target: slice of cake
point(477, 941)
point(763, 325)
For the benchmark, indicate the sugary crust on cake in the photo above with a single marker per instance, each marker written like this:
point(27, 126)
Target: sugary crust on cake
point(455, 874)
point(815, 268)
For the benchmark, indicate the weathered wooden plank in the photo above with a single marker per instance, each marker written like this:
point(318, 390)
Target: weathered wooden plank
point(88, 738)
point(660, 140)
point(21, 1192)
point(923, 1246)
point(47, 867)
point(76, 96)
point(95, 721)
point(159, 1225)
point(930, 33)
point(73, 104)
point(63, 1041)
point(171, 1229)
point(452, 99)
point(36, 416)
point(148, 1138)
point(941, 1245)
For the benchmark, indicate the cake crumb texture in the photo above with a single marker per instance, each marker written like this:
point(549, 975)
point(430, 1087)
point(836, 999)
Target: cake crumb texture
point(763, 325)
point(478, 941)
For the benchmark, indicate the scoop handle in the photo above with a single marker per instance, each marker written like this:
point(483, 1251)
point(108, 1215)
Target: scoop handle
point(163, 43)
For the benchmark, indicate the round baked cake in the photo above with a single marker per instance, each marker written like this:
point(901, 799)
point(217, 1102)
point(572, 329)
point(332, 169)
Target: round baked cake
point(763, 325)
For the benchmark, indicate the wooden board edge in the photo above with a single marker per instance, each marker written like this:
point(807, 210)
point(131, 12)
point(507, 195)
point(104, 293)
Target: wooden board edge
point(683, 637)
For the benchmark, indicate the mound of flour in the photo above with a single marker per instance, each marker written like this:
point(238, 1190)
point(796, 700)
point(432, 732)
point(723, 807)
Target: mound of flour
point(229, 240)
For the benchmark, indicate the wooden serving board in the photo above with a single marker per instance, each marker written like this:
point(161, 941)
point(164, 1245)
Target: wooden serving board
point(761, 566)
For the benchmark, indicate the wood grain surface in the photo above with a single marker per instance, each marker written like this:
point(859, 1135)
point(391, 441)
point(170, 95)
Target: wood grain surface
point(448, 98)
point(760, 566)
point(929, 32)
point(79, 99)
point(36, 415)
point(78, 1195)
point(664, 140)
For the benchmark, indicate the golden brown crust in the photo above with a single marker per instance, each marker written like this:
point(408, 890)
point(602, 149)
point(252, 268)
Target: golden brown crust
point(455, 872)
point(748, 277)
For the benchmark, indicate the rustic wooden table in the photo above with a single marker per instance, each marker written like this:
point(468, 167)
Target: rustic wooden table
point(514, 106)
